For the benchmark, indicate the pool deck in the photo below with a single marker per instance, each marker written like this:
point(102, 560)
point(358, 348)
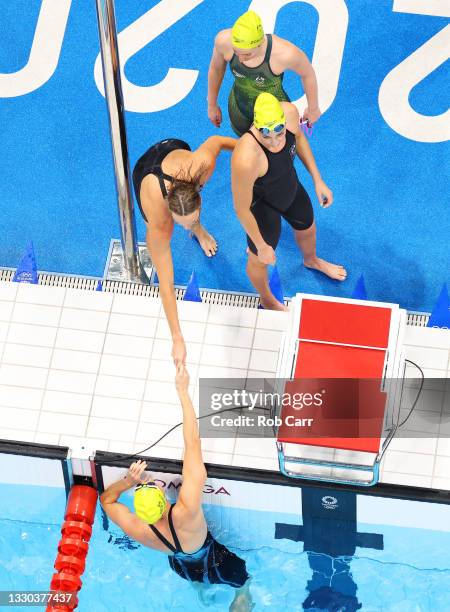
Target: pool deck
point(86, 367)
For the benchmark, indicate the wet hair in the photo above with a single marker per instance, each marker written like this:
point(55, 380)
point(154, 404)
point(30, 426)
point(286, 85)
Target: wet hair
point(184, 194)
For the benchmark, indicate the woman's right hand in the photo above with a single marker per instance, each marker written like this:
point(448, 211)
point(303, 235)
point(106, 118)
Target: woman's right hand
point(266, 255)
point(182, 378)
point(178, 351)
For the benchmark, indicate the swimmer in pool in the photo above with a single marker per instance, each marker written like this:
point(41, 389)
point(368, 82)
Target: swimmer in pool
point(179, 530)
point(167, 182)
point(266, 188)
point(258, 62)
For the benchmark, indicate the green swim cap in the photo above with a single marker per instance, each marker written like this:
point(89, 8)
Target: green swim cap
point(149, 502)
point(247, 32)
point(267, 111)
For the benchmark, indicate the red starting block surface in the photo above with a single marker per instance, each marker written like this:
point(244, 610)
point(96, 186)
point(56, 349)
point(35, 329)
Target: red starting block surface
point(340, 340)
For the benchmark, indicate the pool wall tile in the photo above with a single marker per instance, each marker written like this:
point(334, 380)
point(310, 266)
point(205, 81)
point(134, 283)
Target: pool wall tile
point(442, 467)
point(8, 290)
point(136, 305)
point(413, 480)
point(6, 309)
point(427, 337)
point(224, 356)
point(42, 437)
point(229, 335)
point(75, 361)
point(118, 365)
point(193, 331)
point(408, 463)
point(443, 448)
point(110, 381)
point(119, 386)
point(22, 435)
point(432, 358)
point(117, 429)
point(22, 354)
point(81, 340)
point(34, 313)
point(4, 326)
point(55, 422)
point(128, 346)
point(267, 340)
point(61, 380)
point(116, 408)
point(193, 311)
point(40, 294)
point(143, 327)
point(229, 315)
point(271, 319)
point(91, 320)
point(20, 397)
point(263, 360)
point(32, 334)
point(161, 414)
point(88, 300)
point(65, 402)
point(17, 418)
point(23, 376)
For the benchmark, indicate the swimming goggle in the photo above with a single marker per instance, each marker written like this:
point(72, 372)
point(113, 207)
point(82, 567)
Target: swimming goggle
point(150, 485)
point(265, 131)
point(306, 127)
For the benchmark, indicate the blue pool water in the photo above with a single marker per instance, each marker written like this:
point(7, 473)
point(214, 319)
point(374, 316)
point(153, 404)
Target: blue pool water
point(389, 221)
point(411, 573)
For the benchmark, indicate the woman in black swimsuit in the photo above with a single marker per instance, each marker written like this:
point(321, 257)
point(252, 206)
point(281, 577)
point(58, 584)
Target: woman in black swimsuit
point(167, 181)
point(266, 189)
point(179, 529)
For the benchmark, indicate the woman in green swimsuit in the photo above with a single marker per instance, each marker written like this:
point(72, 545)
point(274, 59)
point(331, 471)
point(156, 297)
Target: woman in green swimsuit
point(258, 62)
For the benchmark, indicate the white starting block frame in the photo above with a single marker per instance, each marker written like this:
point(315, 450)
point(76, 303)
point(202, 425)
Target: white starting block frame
point(323, 463)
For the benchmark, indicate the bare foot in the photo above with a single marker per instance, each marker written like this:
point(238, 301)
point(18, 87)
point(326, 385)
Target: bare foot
point(334, 271)
point(206, 241)
point(272, 303)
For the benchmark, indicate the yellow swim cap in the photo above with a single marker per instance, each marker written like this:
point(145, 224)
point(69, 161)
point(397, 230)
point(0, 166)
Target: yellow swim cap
point(247, 32)
point(267, 111)
point(149, 503)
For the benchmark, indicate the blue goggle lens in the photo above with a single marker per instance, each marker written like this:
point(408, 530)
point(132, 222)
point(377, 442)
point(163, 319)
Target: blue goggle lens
point(265, 131)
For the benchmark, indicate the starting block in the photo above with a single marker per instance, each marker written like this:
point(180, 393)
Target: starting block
point(344, 359)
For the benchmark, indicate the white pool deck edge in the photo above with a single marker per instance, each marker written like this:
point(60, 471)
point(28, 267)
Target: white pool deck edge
point(85, 367)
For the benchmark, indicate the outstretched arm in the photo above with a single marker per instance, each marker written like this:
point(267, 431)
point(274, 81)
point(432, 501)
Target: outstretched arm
point(194, 471)
point(158, 242)
point(216, 144)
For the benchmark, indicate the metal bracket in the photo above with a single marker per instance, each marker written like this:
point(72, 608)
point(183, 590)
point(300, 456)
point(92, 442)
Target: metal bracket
point(115, 269)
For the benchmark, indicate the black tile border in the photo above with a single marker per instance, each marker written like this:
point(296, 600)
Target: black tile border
point(173, 466)
point(31, 449)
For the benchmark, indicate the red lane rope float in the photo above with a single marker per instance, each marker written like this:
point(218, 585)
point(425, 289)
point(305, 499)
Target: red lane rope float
point(76, 529)
point(73, 547)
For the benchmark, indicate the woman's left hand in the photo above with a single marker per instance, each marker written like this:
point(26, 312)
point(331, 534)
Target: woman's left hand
point(135, 472)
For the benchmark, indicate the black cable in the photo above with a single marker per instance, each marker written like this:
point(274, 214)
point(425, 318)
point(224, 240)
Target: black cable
point(122, 457)
point(418, 393)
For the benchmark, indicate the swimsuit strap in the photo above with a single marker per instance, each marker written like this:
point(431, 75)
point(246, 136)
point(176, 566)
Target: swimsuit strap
point(269, 48)
point(163, 539)
point(263, 148)
point(173, 532)
point(251, 134)
point(161, 176)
